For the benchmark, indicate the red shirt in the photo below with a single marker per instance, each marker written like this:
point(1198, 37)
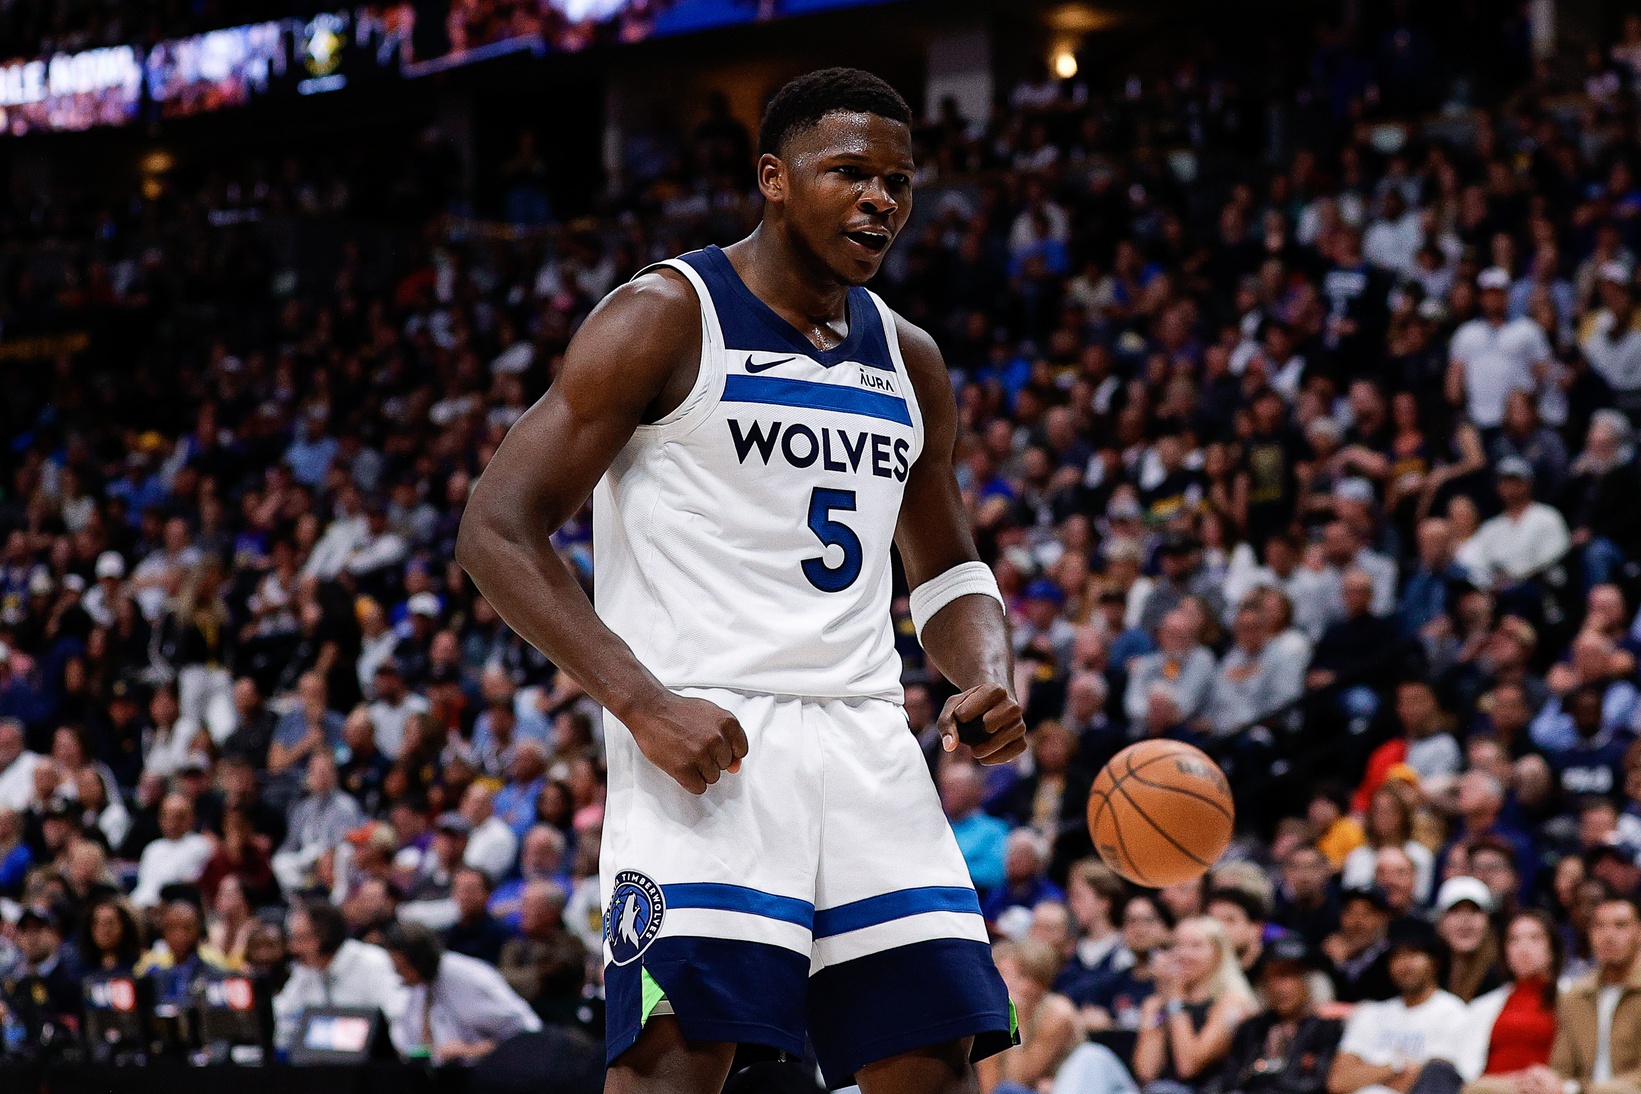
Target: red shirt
point(1385, 757)
point(1523, 1032)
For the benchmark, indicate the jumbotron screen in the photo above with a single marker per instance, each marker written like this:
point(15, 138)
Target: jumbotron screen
point(235, 66)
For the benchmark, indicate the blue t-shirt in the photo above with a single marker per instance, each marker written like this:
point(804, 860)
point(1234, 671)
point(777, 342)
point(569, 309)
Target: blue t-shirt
point(983, 839)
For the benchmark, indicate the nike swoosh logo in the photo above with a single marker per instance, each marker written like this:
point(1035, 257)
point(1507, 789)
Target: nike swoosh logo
point(750, 367)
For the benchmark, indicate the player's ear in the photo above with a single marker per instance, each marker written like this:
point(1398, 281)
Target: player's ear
point(772, 177)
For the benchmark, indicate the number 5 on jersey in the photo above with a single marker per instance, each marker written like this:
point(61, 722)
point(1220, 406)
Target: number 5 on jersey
point(832, 579)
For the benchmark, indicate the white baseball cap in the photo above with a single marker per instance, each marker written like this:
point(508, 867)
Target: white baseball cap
point(1615, 272)
point(1494, 277)
point(423, 604)
point(110, 564)
point(1457, 890)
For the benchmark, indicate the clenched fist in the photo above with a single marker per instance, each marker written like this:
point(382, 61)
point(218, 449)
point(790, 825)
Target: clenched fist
point(692, 740)
point(988, 720)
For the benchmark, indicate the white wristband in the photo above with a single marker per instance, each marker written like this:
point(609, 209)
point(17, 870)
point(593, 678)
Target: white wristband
point(961, 580)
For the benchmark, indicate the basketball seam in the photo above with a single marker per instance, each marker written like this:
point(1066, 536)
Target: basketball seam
point(1163, 832)
point(1116, 830)
point(1203, 798)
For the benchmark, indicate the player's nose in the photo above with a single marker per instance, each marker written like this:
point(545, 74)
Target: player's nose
point(875, 198)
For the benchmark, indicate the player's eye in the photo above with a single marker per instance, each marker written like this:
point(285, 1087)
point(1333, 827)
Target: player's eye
point(899, 181)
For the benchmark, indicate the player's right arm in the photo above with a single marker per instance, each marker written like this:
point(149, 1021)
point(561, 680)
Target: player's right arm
point(633, 360)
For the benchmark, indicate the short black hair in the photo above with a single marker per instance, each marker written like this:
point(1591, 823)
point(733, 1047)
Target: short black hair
point(806, 100)
point(419, 946)
point(330, 929)
point(1252, 906)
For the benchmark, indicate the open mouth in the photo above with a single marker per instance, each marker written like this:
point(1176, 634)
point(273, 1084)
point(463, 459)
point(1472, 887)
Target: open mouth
point(873, 241)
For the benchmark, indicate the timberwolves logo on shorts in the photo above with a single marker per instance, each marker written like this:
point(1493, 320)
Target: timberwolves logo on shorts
point(634, 916)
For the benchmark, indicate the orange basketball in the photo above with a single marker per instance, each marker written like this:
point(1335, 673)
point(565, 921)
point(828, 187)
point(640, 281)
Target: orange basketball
point(1161, 813)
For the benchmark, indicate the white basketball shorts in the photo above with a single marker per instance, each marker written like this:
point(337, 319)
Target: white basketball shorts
point(818, 889)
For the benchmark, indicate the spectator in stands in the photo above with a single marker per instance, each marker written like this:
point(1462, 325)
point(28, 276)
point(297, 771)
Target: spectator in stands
point(1389, 1043)
point(239, 855)
point(1025, 880)
point(1395, 876)
point(1354, 656)
point(491, 844)
point(1462, 909)
point(1287, 1048)
point(1480, 803)
point(544, 963)
point(981, 837)
point(541, 859)
point(363, 773)
point(392, 706)
point(1114, 1002)
point(1360, 951)
point(1426, 745)
point(1049, 1026)
point(1520, 543)
point(1513, 1027)
point(1181, 666)
point(111, 939)
point(228, 927)
point(318, 823)
point(332, 970)
point(1093, 892)
point(1200, 997)
point(1609, 337)
point(1243, 916)
point(16, 767)
point(1598, 1018)
point(1307, 905)
point(475, 932)
point(1606, 529)
point(1493, 355)
point(309, 728)
point(179, 855)
point(515, 803)
point(182, 956)
point(42, 991)
point(457, 1010)
point(1389, 824)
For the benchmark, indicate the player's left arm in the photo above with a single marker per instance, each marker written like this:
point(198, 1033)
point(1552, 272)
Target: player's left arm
point(968, 638)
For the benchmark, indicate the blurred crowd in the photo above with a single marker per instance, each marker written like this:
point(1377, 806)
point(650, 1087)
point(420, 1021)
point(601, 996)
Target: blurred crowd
point(1298, 405)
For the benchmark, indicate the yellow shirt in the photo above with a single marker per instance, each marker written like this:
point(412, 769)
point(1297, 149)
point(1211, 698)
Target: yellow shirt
point(1340, 840)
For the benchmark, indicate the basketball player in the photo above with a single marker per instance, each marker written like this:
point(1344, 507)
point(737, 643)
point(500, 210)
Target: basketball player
point(756, 429)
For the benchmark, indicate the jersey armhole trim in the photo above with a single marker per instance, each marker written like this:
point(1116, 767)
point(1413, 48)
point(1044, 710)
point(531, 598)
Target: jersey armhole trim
point(708, 388)
point(891, 337)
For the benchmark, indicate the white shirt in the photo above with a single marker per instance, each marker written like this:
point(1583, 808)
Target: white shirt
point(344, 536)
point(390, 720)
point(167, 748)
point(468, 1001)
point(372, 652)
point(1391, 244)
point(1497, 361)
point(1606, 1005)
point(167, 861)
point(1614, 353)
point(492, 848)
point(17, 782)
point(359, 975)
point(1514, 548)
point(1389, 1033)
point(1357, 873)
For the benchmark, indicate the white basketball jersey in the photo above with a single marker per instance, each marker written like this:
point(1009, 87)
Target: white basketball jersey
point(743, 540)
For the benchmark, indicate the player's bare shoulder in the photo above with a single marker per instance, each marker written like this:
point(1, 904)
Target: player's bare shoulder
point(648, 332)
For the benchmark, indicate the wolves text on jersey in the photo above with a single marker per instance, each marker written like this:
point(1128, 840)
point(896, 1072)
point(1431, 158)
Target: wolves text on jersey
point(834, 449)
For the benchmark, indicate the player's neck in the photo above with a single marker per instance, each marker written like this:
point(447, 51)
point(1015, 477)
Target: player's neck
point(793, 283)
